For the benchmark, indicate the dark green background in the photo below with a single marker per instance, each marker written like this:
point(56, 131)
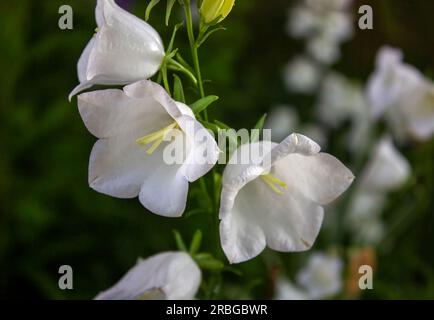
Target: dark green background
point(50, 217)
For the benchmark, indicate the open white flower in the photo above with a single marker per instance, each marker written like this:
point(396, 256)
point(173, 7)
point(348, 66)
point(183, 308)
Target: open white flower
point(403, 94)
point(124, 49)
point(131, 158)
point(276, 197)
point(165, 276)
point(322, 277)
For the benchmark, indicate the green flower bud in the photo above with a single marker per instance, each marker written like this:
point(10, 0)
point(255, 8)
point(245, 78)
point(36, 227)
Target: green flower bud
point(214, 11)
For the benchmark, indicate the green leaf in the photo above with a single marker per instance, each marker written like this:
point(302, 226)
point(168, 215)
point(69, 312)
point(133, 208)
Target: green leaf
point(169, 8)
point(149, 8)
point(233, 270)
point(258, 127)
point(222, 125)
point(183, 62)
point(196, 242)
point(203, 103)
point(178, 90)
point(172, 38)
point(205, 36)
point(179, 242)
point(211, 126)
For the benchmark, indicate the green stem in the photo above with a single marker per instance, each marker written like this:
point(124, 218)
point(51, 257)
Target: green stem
point(194, 52)
point(196, 66)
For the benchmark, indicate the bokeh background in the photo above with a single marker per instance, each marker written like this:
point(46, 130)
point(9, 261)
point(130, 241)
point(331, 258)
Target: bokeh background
point(50, 217)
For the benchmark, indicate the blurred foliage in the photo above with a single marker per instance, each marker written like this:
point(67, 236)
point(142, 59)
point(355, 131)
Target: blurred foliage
point(50, 217)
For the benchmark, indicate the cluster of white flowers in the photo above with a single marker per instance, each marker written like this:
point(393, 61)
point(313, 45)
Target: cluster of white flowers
point(275, 199)
point(324, 25)
point(396, 92)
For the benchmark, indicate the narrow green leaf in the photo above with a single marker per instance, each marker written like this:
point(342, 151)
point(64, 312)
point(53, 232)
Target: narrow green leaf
point(222, 125)
point(179, 242)
point(230, 133)
point(233, 270)
point(182, 61)
point(149, 8)
point(211, 126)
point(178, 90)
point(203, 103)
point(202, 39)
point(172, 38)
point(196, 242)
point(169, 8)
point(257, 129)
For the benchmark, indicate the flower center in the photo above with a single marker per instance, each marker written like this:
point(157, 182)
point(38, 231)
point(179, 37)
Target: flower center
point(157, 137)
point(274, 183)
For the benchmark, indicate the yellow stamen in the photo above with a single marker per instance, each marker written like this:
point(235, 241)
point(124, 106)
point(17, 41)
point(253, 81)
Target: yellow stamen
point(156, 138)
point(274, 183)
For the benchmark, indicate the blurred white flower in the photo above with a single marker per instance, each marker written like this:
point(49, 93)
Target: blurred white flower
point(324, 49)
point(126, 122)
point(315, 132)
point(277, 198)
point(285, 290)
point(124, 49)
point(301, 75)
point(387, 169)
point(282, 120)
point(403, 94)
point(337, 26)
point(322, 277)
point(364, 217)
point(165, 276)
point(323, 5)
point(302, 22)
point(340, 100)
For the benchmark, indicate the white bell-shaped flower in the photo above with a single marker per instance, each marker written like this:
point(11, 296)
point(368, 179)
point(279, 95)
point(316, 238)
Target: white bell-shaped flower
point(273, 195)
point(135, 154)
point(124, 49)
point(165, 276)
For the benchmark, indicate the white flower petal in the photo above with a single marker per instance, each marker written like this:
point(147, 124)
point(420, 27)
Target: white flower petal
point(170, 275)
point(321, 178)
point(202, 149)
point(84, 61)
point(107, 113)
point(165, 190)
